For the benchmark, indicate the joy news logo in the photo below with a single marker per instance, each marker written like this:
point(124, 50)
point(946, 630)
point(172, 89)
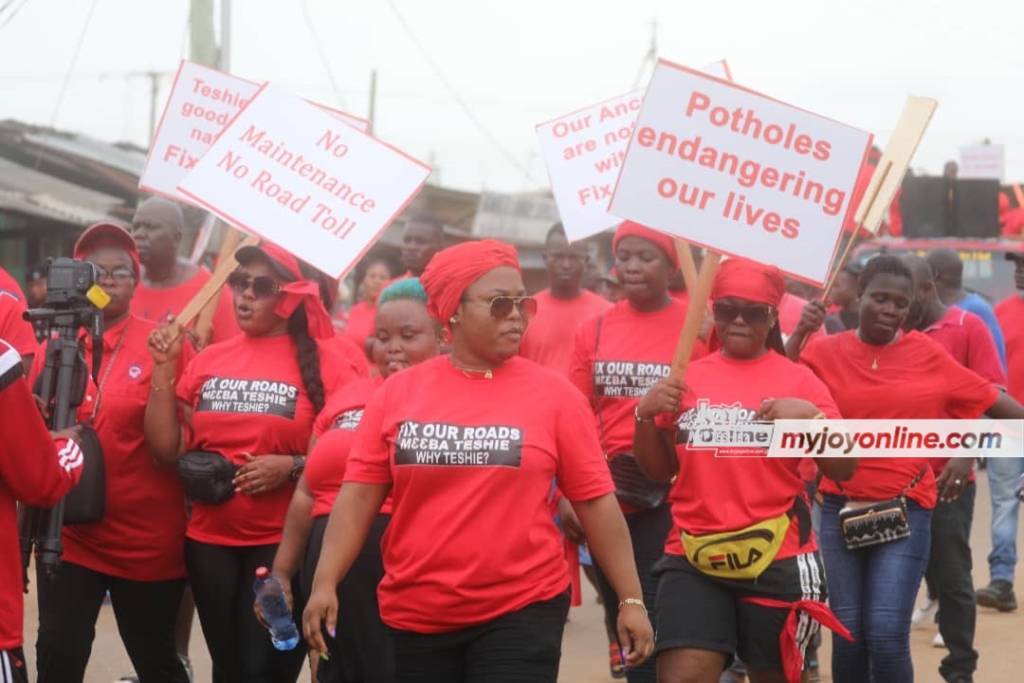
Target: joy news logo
point(729, 429)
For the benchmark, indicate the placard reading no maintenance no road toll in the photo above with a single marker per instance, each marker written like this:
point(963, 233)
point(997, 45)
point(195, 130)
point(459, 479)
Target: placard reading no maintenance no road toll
point(290, 172)
point(738, 172)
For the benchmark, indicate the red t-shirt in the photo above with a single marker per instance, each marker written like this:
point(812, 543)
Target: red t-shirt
point(335, 429)
point(359, 322)
point(715, 493)
point(247, 396)
point(791, 308)
point(34, 469)
point(157, 304)
point(968, 340)
point(550, 335)
point(142, 534)
point(1010, 313)
point(14, 329)
point(471, 537)
point(352, 356)
point(916, 379)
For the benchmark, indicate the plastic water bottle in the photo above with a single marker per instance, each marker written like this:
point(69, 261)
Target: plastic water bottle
point(274, 606)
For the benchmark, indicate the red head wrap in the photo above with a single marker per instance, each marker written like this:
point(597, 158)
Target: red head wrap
point(749, 280)
point(300, 291)
point(658, 239)
point(107, 235)
point(451, 271)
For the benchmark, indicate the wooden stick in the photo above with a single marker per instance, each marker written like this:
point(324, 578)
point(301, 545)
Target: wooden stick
point(699, 296)
point(686, 264)
point(212, 287)
point(204, 323)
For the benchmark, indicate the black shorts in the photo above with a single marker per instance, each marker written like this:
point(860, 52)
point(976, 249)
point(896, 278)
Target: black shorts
point(697, 611)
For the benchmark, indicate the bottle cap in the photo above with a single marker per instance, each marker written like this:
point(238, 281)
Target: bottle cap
point(262, 573)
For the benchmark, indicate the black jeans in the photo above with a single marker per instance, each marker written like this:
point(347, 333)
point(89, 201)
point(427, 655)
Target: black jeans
point(221, 578)
point(520, 647)
point(146, 614)
point(648, 529)
point(949, 576)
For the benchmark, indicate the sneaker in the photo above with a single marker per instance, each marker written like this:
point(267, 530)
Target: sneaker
point(938, 641)
point(997, 595)
point(924, 615)
point(187, 663)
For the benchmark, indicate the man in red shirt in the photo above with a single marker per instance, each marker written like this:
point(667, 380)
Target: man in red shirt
point(967, 339)
point(167, 282)
point(1003, 473)
point(423, 237)
point(14, 328)
point(37, 470)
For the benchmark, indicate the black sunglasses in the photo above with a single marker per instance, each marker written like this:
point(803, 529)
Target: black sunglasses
point(501, 306)
point(753, 314)
point(263, 287)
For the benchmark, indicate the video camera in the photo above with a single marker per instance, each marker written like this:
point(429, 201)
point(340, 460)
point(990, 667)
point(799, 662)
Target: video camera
point(73, 301)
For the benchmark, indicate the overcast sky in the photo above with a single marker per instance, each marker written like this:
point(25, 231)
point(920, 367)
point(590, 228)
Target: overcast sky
point(517, 64)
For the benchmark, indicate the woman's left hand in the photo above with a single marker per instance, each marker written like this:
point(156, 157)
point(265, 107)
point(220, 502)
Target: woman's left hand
point(786, 409)
point(263, 474)
point(635, 635)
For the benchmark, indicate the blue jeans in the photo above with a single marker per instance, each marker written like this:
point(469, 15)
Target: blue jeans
point(1002, 478)
point(872, 592)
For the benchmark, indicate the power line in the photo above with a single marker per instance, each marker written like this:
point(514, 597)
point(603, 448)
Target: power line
point(458, 100)
point(323, 54)
point(14, 12)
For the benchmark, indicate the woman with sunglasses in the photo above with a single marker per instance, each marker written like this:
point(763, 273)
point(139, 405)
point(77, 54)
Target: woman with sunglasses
point(403, 335)
point(251, 399)
point(618, 356)
point(707, 611)
point(878, 372)
point(476, 587)
point(135, 551)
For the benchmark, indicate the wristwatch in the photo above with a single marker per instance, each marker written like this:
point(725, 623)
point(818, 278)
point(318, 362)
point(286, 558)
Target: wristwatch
point(297, 468)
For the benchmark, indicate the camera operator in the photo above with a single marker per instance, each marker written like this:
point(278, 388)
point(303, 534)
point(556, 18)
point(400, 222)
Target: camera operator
point(36, 469)
point(136, 551)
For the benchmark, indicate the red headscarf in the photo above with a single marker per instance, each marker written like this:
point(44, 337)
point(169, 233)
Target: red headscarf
point(658, 239)
point(451, 271)
point(107, 235)
point(749, 280)
point(300, 291)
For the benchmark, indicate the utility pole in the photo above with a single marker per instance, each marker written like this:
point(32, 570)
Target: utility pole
point(652, 53)
point(373, 98)
point(225, 35)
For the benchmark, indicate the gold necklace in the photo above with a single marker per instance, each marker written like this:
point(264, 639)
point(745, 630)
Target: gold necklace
point(874, 363)
point(487, 374)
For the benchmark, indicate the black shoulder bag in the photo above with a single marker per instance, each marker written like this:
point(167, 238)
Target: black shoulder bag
point(631, 486)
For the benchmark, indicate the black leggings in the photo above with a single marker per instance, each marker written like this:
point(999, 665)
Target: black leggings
point(363, 651)
point(146, 614)
point(221, 578)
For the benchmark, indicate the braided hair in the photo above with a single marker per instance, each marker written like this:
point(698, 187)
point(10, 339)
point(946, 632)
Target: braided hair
point(308, 356)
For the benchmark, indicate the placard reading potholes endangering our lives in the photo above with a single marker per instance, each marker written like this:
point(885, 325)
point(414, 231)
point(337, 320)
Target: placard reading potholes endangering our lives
point(202, 102)
point(289, 172)
point(727, 168)
point(583, 152)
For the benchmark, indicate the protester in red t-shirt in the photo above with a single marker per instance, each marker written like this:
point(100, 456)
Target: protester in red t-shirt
point(14, 329)
point(36, 469)
point(703, 612)
point(404, 335)
point(618, 356)
point(252, 400)
point(135, 556)
point(167, 283)
point(879, 372)
point(476, 585)
point(359, 318)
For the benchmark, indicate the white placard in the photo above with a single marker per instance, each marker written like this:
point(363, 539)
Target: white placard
point(735, 171)
point(292, 173)
point(583, 152)
point(984, 162)
point(201, 103)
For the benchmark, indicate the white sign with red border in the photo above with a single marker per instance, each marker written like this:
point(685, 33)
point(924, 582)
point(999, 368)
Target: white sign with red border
point(583, 152)
point(984, 162)
point(201, 103)
point(732, 170)
point(288, 171)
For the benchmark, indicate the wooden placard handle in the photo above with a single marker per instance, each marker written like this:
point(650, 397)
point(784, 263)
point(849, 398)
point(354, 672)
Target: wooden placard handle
point(686, 264)
point(204, 323)
point(699, 296)
point(212, 286)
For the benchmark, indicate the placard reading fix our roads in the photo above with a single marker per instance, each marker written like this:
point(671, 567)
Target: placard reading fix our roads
point(201, 103)
point(290, 172)
point(583, 152)
point(738, 172)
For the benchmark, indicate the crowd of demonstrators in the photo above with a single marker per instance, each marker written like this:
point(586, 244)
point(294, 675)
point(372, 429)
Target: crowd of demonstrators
point(358, 320)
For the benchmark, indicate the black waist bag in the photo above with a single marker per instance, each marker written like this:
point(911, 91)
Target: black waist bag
point(207, 477)
point(86, 503)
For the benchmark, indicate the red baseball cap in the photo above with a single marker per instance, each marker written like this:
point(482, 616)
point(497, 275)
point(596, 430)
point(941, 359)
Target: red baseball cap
point(107, 235)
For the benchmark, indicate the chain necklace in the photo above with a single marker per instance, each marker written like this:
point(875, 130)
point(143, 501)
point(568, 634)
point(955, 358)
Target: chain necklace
point(874, 363)
point(486, 373)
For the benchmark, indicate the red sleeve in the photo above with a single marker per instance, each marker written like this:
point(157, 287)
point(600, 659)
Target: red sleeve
point(351, 355)
point(582, 471)
point(581, 371)
point(369, 462)
point(322, 423)
point(815, 391)
point(37, 469)
point(14, 329)
point(968, 394)
point(982, 356)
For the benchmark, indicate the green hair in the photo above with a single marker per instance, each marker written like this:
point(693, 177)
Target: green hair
point(409, 288)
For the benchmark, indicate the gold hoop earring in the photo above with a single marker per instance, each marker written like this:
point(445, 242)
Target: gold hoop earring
point(452, 320)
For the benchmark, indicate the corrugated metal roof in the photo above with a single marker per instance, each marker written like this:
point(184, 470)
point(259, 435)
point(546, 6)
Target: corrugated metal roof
point(25, 190)
point(95, 150)
point(48, 207)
